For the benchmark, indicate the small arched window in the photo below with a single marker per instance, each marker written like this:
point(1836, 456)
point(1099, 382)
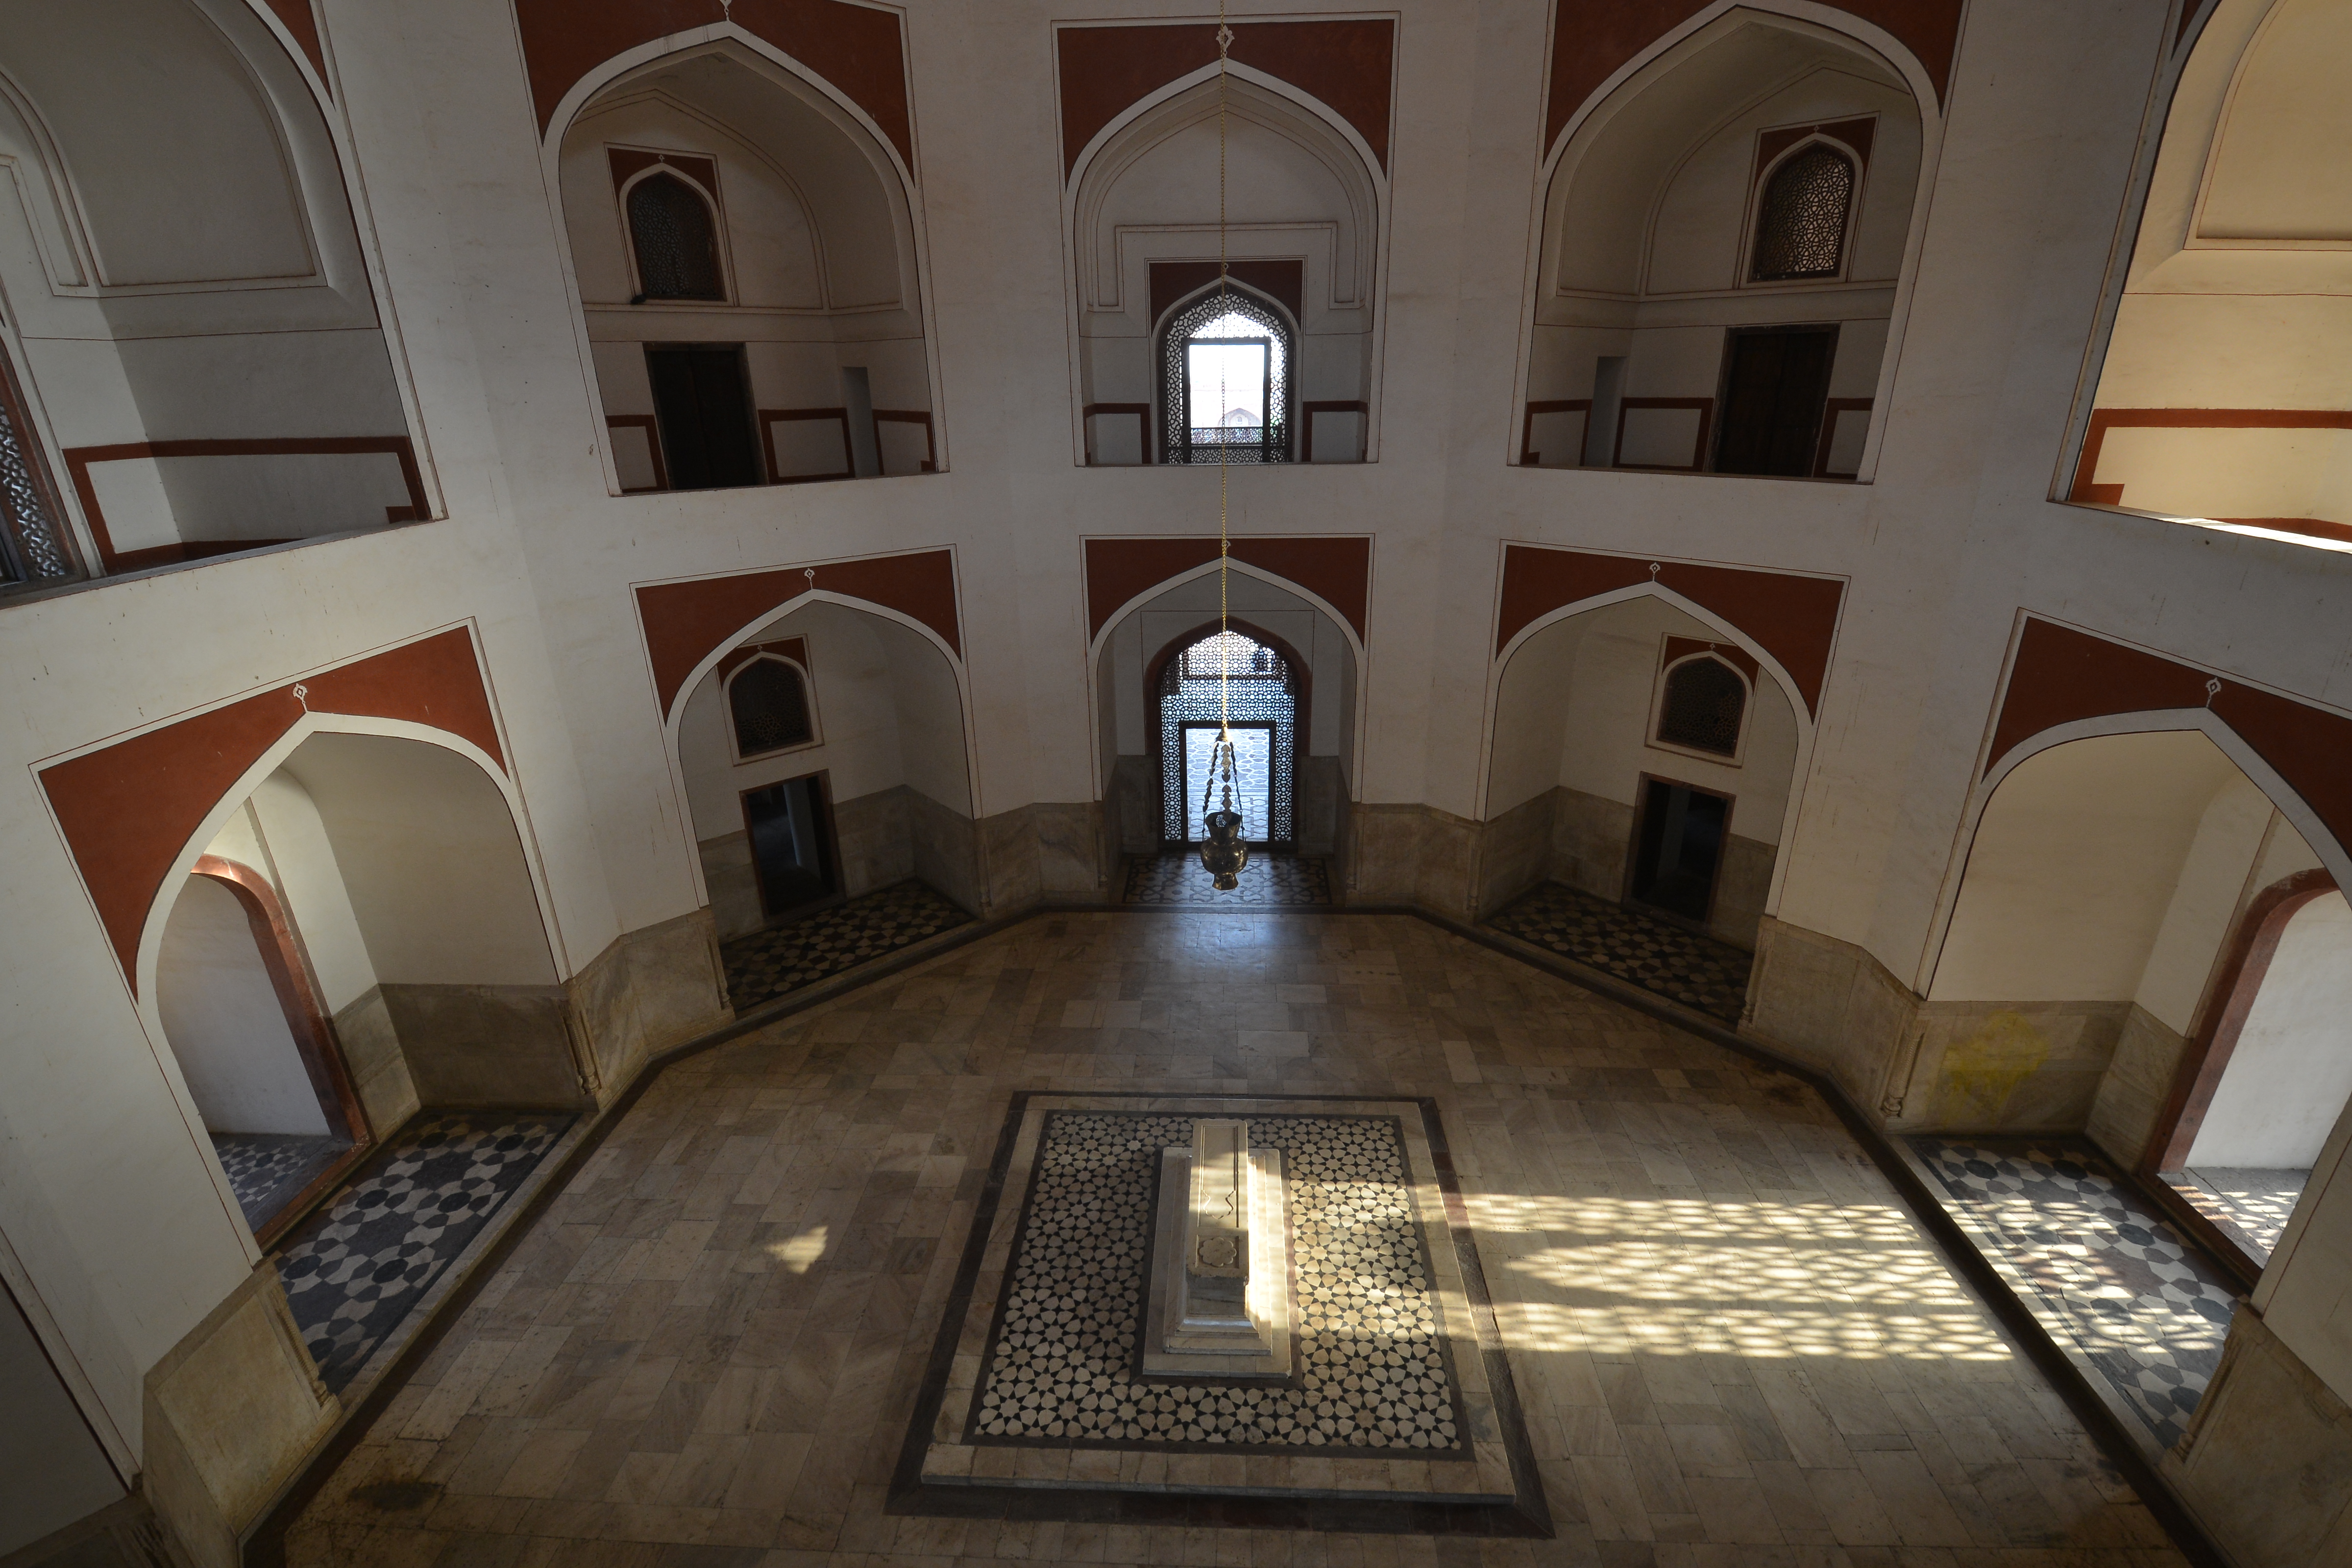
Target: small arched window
point(1801, 224)
point(769, 703)
point(1224, 378)
point(1704, 703)
point(675, 238)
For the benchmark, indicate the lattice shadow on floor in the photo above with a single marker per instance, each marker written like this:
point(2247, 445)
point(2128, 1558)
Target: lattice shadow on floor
point(2101, 1267)
point(1678, 964)
point(769, 963)
point(1268, 880)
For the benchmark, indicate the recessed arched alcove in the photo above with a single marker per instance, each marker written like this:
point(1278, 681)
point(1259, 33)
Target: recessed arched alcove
point(745, 254)
point(1641, 754)
point(863, 785)
point(1307, 215)
point(2222, 394)
point(1145, 695)
point(193, 364)
point(360, 939)
point(1721, 254)
point(2096, 952)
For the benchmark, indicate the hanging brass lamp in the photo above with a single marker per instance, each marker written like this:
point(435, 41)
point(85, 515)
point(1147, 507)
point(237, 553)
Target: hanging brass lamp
point(1222, 852)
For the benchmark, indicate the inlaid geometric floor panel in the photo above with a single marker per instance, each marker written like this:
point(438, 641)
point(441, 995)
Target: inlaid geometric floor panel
point(2251, 1206)
point(267, 1171)
point(2146, 1306)
point(1266, 879)
point(766, 964)
point(1678, 964)
point(353, 1269)
point(1393, 1406)
point(1734, 1347)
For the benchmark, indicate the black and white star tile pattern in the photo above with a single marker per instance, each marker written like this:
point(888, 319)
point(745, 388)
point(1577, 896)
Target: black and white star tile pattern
point(1678, 964)
point(356, 1268)
point(267, 1171)
point(1267, 879)
point(2148, 1309)
point(768, 963)
point(1374, 1370)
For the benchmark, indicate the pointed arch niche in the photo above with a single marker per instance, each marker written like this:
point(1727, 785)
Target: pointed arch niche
point(1720, 262)
point(1307, 200)
point(747, 259)
point(1583, 742)
point(1317, 671)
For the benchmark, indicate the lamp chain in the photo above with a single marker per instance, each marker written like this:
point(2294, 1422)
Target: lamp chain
point(1225, 544)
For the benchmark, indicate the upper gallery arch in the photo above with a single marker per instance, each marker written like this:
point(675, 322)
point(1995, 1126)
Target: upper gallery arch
point(1729, 214)
point(1306, 114)
point(2223, 398)
point(779, 335)
point(193, 363)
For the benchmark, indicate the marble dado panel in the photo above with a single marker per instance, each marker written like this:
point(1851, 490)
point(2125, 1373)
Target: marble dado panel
point(1032, 1298)
point(2267, 1463)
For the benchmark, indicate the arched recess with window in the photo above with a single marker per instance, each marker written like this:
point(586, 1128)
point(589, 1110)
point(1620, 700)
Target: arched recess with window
point(1642, 754)
point(1225, 361)
point(1308, 206)
point(1722, 254)
point(822, 755)
point(748, 265)
point(193, 363)
point(2222, 400)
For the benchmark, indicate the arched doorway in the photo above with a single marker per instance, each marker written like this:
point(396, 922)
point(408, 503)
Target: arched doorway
point(241, 1012)
point(2266, 1077)
point(1247, 680)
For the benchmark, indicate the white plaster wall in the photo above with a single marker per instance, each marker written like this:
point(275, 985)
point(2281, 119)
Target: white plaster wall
point(430, 858)
point(2073, 867)
point(1604, 702)
point(2213, 885)
point(52, 1471)
point(299, 859)
point(2290, 1076)
point(221, 1013)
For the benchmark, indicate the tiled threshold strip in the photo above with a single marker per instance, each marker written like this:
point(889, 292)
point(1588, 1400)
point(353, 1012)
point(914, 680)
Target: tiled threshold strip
point(2088, 1397)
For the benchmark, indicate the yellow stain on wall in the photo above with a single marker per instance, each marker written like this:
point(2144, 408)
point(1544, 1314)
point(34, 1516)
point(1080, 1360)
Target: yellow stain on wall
point(1980, 1072)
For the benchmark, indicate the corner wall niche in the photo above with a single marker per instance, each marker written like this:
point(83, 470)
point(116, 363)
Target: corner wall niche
point(1722, 243)
point(746, 257)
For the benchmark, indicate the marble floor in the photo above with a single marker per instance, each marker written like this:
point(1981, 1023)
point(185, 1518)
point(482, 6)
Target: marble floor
point(355, 1268)
point(1177, 879)
point(1733, 1345)
point(1655, 955)
point(267, 1171)
point(783, 958)
point(2251, 1206)
point(2100, 1265)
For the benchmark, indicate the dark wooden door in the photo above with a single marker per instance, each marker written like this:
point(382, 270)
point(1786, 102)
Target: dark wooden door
point(1775, 383)
point(791, 844)
point(703, 408)
point(1678, 848)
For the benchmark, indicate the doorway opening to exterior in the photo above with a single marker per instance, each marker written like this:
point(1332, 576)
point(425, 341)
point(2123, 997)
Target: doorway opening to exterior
point(790, 830)
point(2256, 1106)
point(258, 1056)
point(1259, 692)
point(1678, 848)
point(1776, 382)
